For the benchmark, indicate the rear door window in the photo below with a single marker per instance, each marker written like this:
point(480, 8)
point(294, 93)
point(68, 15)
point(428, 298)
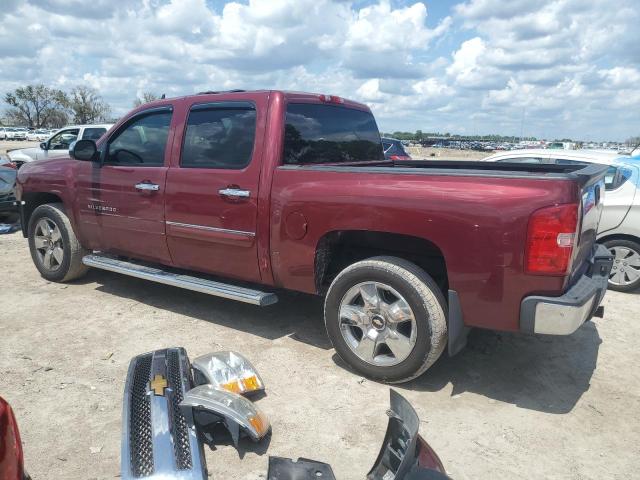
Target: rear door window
point(317, 134)
point(219, 136)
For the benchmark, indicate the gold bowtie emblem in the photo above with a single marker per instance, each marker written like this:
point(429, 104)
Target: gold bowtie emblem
point(158, 384)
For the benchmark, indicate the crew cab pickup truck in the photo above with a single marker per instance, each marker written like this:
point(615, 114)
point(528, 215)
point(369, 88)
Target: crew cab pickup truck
point(271, 190)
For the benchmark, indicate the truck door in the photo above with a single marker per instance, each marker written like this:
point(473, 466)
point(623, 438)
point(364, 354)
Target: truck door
point(120, 203)
point(212, 188)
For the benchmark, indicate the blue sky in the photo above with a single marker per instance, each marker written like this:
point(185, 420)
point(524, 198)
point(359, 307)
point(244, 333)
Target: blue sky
point(549, 68)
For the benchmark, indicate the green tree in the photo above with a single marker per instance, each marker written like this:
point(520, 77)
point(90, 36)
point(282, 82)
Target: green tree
point(146, 98)
point(87, 106)
point(35, 105)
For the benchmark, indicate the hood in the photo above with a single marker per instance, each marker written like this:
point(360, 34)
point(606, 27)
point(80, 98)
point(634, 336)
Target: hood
point(25, 154)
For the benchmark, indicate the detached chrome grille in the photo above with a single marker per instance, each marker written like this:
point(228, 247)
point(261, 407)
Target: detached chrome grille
point(181, 434)
point(157, 442)
point(140, 420)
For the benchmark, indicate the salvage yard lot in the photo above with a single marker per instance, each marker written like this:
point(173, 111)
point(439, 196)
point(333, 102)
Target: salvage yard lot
point(507, 407)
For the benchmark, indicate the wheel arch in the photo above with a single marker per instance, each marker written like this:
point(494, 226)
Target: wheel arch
point(619, 236)
point(33, 200)
point(337, 249)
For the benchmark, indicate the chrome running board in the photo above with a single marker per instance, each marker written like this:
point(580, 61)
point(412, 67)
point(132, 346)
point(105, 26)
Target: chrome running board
point(187, 282)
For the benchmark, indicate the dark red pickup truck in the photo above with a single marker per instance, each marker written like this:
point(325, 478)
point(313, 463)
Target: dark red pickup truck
point(271, 189)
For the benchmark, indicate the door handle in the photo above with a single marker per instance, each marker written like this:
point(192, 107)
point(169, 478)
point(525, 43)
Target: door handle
point(147, 187)
point(234, 193)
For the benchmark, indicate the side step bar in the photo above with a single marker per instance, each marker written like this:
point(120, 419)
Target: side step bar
point(187, 282)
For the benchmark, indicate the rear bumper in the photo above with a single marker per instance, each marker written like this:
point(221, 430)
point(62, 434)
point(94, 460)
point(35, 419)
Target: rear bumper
point(565, 314)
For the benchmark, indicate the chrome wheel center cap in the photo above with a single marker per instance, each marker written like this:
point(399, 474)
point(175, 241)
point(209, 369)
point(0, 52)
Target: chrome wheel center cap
point(378, 322)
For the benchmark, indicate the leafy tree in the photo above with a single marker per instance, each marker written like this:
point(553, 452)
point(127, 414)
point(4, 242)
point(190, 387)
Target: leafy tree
point(86, 105)
point(35, 105)
point(146, 98)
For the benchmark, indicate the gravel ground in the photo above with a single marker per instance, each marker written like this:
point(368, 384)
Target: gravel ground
point(507, 407)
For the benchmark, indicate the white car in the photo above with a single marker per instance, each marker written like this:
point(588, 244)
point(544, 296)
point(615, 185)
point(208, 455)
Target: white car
point(619, 228)
point(19, 134)
point(58, 144)
point(38, 135)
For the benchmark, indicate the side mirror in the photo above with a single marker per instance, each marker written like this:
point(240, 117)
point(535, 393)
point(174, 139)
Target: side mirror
point(83, 150)
point(44, 146)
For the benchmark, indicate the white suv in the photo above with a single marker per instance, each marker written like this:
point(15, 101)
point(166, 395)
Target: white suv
point(58, 144)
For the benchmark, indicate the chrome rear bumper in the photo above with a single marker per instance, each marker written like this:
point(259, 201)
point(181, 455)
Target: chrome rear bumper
point(565, 314)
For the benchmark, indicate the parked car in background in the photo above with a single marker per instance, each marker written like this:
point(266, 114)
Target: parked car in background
point(11, 453)
point(3, 133)
point(8, 172)
point(619, 228)
point(38, 135)
point(292, 190)
point(394, 150)
point(58, 144)
point(19, 134)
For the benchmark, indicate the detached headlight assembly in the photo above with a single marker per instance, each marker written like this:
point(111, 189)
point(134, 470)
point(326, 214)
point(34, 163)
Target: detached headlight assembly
point(211, 405)
point(229, 371)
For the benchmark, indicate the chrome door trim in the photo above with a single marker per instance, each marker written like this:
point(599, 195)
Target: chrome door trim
point(211, 229)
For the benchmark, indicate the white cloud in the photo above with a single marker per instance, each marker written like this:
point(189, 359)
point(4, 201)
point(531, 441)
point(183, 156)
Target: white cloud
point(475, 70)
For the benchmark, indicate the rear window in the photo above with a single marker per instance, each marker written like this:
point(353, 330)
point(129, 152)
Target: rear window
point(329, 134)
point(93, 133)
point(616, 177)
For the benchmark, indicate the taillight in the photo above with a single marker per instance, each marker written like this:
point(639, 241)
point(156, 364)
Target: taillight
point(399, 157)
point(9, 165)
point(551, 238)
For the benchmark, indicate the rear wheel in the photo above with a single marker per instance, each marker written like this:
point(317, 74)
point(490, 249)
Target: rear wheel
point(386, 318)
point(55, 250)
point(625, 274)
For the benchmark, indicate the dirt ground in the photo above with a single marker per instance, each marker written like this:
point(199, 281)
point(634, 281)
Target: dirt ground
point(507, 407)
point(430, 153)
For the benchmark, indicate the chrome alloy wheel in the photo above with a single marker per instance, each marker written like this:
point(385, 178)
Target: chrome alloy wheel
point(48, 244)
point(377, 324)
point(626, 266)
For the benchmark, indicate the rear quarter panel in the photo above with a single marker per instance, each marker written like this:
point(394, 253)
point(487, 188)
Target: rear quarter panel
point(478, 222)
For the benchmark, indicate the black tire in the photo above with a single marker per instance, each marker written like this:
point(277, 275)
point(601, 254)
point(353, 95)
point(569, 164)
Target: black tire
point(71, 266)
point(619, 263)
point(422, 294)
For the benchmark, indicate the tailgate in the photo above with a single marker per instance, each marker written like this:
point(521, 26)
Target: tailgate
point(591, 183)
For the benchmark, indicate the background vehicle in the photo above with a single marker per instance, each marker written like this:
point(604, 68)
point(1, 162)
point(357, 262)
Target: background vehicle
point(8, 175)
point(58, 144)
point(11, 454)
point(619, 228)
point(3, 133)
point(291, 190)
point(38, 135)
point(19, 134)
point(394, 150)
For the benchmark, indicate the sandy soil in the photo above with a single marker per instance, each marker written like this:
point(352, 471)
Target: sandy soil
point(507, 407)
point(421, 153)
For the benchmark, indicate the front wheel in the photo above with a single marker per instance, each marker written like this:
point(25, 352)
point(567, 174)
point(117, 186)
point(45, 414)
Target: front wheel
point(386, 318)
point(625, 274)
point(55, 250)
